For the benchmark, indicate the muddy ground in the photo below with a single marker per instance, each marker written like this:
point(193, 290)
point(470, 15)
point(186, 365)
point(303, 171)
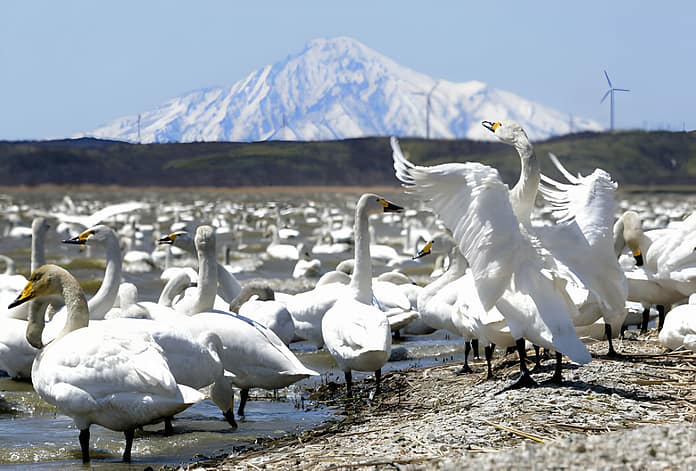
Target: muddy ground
point(635, 412)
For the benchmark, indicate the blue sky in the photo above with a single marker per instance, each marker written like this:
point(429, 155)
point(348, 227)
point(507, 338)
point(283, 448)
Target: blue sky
point(70, 66)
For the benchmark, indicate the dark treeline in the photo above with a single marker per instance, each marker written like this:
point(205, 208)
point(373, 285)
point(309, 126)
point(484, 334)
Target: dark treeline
point(633, 158)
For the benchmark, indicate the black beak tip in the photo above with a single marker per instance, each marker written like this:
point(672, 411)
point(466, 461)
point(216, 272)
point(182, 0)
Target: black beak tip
point(639, 260)
point(165, 240)
point(74, 240)
point(488, 125)
point(14, 303)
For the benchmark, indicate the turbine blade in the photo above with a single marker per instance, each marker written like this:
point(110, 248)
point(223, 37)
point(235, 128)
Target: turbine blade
point(605, 96)
point(607, 76)
point(621, 90)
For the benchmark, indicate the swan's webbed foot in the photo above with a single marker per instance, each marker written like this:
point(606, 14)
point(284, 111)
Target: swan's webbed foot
point(524, 381)
point(229, 417)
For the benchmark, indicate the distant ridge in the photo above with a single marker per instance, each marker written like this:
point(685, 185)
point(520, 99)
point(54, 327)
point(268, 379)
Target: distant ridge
point(647, 159)
point(337, 88)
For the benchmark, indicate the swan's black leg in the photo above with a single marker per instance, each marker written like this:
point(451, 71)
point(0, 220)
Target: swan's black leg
point(611, 353)
point(475, 348)
point(129, 445)
point(378, 380)
point(243, 396)
point(488, 351)
point(660, 317)
point(646, 319)
point(229, 417)
point(525, 380)
point(84, 444)
point(466, 368)
point(557, 377)
point(537, 359)
point(168, 429)
point(349, 383)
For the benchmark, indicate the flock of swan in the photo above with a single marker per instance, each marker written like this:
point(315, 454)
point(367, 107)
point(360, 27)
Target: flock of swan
point(512, 281)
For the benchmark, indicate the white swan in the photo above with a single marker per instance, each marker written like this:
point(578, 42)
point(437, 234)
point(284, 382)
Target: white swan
point(202, 297)
point(508, 268)
point(440, 300)
point(665, 269)
point(306, 266)
point(105, 297)
point(355, 332)
point(582, 244)
point(10, 283)
point(228, 285)
point(679, 329)
point(257, 302)
point(278, 250)
point(252, 352)
point(581, 239)
point(115, 379)
point(16, 354)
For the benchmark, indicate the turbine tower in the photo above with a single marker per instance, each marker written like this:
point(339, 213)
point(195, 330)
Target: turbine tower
point(428, 106)
point(608, 93)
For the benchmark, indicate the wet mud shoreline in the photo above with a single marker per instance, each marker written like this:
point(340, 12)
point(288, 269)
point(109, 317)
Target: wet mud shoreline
point(637, 412)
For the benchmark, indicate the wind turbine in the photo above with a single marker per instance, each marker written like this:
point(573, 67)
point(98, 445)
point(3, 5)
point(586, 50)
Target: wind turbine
point(611, 92)
point(428, 106)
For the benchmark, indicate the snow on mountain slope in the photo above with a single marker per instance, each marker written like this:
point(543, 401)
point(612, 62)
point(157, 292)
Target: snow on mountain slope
point(333, 89)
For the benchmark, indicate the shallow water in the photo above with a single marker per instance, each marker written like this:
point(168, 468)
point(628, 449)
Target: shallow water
point(34, 435)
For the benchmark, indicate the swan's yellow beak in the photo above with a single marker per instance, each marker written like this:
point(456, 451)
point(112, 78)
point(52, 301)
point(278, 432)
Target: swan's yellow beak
point(424, 251)
point(638, 256)
point(27, 294)
point(168, 239)
point(390, 207)
point(491, 126)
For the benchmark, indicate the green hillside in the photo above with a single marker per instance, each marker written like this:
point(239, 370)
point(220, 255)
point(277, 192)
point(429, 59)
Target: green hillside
point(633, 158)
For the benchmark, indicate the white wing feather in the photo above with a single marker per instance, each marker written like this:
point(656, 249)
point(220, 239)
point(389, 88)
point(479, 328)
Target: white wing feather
point(582, 239)
point(473, 202)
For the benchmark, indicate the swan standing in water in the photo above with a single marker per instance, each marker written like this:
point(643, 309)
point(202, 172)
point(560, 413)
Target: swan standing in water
point(115, 379)
point(355, 332)
point(508, 268)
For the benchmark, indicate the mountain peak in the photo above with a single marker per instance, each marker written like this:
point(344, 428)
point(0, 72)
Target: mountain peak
point(337, 88)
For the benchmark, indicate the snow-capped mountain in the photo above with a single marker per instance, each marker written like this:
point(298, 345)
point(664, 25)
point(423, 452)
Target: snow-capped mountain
point(333, 89)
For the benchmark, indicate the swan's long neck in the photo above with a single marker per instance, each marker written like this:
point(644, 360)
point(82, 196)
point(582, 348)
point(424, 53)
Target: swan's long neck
point(175, 286)
point(76, 305)
point(524, 193)
point(207, 278)
point(456, 270)
point(361, 282)
point(38, 248)
point(106, 295)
